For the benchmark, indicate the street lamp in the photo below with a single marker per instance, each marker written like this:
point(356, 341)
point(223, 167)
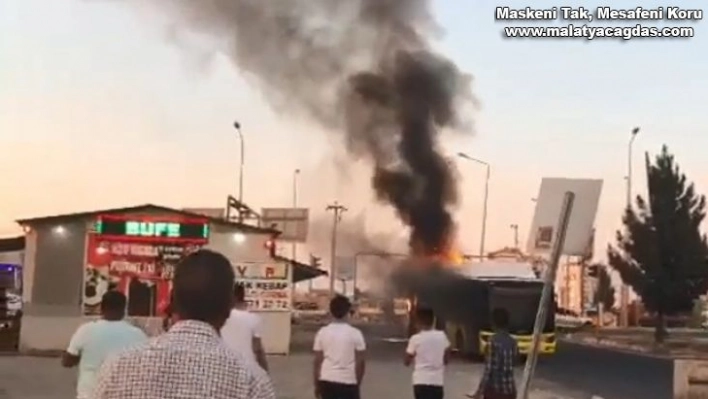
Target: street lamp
point(629, 166)
point(296, 173)
point(624, 291)
point(486, 197)
point(515, 227)
point(237, 126)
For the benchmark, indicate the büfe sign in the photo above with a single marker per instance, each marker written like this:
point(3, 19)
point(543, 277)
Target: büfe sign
point(267, 285)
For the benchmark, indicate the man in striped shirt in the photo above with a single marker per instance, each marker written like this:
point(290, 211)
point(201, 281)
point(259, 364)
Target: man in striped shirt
point(190, 360)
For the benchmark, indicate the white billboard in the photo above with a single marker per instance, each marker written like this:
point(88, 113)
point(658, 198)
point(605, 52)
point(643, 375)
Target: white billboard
point(582, 219)
point(345, 268)
point(216, 213)
point(293, 223)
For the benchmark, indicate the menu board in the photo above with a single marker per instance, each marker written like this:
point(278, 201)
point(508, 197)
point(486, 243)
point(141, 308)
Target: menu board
point(267, 286)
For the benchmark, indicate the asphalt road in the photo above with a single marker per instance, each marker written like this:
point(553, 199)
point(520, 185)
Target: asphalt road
point(607, 373)
point(576, 372)
point(579, 371)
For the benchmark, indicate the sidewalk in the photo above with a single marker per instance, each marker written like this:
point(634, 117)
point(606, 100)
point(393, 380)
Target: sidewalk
point(643, 344)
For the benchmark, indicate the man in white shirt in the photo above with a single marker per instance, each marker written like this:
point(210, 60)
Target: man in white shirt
point(242, 330)
point(339, 355)
point(94, 341)
point(429, 351)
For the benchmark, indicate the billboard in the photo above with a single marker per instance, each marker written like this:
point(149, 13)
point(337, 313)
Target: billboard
point(291, 222)
point(345, 268)
point(582, 219)
point(215, 213)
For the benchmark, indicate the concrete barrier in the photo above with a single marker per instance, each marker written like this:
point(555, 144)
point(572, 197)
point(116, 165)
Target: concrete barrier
point(690, 379)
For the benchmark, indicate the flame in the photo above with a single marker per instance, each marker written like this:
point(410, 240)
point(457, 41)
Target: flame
point(450, 256)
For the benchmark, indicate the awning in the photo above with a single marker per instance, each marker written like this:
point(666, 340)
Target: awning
point(302, 271)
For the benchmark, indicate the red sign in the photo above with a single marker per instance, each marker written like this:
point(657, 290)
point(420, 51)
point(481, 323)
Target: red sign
point(142, 271)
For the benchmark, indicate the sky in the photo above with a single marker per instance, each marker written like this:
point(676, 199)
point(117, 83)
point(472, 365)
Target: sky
point(100, 108)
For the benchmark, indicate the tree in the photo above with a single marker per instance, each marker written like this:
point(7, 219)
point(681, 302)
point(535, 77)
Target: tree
point(604, 291)
point(661, 253)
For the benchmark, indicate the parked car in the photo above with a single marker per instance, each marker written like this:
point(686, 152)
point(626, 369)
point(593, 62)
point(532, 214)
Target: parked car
point(567, 319)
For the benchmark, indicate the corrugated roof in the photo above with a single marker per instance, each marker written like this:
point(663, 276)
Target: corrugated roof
point(141, 208)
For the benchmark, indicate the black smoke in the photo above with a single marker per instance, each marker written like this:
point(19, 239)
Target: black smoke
point(365, 69)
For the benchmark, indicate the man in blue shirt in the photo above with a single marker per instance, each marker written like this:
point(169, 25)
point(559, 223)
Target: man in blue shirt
point(94, 341)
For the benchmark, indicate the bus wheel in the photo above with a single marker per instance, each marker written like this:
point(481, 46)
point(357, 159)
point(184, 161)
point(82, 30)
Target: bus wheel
point(523, 358)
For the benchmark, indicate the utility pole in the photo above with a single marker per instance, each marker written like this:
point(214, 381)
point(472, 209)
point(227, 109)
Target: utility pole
point(296, 173)
point(337, 211)
point(515, 227)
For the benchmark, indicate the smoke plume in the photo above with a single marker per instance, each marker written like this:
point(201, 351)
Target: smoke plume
point(362, 68)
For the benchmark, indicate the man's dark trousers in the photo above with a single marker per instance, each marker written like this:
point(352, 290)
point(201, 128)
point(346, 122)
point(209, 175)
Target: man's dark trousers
point(427, 392)
point(333, 390)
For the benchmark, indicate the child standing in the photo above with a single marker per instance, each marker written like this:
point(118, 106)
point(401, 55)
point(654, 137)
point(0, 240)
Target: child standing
point(429, 352)
point(339, 355)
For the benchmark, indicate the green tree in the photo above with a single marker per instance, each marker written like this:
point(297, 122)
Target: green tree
point(604, 291)
point(661, 253)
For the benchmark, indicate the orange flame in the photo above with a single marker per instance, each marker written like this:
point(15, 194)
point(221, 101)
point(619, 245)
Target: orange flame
point(449, 255)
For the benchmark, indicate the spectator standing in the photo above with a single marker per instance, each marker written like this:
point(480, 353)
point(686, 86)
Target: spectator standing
point(242, 330)
point(429, 352)
point(498, 378)
point(339, 355)
point(94, 341)
point(190, 360)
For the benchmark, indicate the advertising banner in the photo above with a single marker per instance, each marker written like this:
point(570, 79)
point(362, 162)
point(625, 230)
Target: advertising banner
point(143, 271)
point(267, 285)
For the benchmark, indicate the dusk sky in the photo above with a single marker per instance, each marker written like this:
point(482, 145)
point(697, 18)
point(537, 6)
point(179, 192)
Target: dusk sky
point(101, 107)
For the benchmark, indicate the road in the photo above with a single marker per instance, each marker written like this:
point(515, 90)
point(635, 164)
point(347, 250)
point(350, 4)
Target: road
point(576, 372)
point(581, 371)
point(608, 373)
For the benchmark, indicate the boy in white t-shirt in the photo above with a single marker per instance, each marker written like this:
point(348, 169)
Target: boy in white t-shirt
point(242, 331)
point(429, 352)
point(339, 355)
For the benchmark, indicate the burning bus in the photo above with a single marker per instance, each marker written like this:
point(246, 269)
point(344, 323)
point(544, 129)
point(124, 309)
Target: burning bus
point(464, 295)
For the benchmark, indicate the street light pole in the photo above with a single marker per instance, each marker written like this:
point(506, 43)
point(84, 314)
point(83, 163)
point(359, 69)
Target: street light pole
point(515, 227)
point(337, 211)
point(624, 292)
point(486, 198)
point(237, 126)
point(296, 173)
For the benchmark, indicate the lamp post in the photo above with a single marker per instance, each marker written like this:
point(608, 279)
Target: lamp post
point(486, 197)
point(237, 126)
point(624, 291)
point(296, 173)
point(515, 227)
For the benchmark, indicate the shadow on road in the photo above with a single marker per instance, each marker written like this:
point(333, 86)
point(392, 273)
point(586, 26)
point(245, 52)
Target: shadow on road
point(607, 373)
